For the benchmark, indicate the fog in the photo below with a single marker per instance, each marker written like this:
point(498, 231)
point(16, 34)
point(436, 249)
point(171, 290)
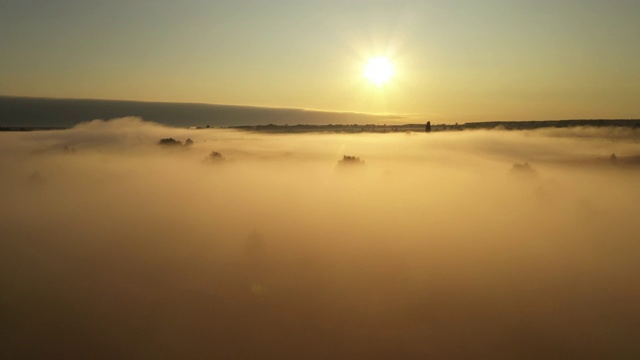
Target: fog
point(448, 245)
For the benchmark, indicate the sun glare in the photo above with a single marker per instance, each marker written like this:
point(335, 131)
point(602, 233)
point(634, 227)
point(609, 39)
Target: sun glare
point(378, 70)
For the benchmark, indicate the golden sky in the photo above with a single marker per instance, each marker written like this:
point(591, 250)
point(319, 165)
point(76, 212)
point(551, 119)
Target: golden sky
point(454, 61)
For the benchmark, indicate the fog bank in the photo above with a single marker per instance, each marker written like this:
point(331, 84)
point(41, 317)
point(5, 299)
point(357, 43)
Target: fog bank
point(448, 245)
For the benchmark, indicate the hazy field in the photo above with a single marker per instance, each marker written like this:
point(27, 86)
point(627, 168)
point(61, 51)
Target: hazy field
point(436, 247)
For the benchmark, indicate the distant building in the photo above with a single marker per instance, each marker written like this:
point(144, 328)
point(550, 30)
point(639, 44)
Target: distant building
point(428, 127)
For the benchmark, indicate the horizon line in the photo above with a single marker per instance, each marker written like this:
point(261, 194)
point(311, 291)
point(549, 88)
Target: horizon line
point(407, 116)
point(213, 104)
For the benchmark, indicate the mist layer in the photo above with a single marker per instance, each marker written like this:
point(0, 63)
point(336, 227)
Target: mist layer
point(448, 245)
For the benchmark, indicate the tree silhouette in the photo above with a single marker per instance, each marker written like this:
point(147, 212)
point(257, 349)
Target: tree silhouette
point(215, 157)
point(350, 160)
point(169, 141)
point(523, 168)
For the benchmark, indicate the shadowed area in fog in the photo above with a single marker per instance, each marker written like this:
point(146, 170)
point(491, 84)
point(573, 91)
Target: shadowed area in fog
point(450, 245)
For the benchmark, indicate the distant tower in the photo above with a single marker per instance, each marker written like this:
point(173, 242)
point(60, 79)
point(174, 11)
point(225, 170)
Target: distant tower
point(428, 127)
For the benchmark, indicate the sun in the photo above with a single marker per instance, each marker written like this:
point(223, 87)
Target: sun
point(379, 70)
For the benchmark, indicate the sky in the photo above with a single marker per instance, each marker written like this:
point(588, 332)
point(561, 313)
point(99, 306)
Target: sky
point(454, 61)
